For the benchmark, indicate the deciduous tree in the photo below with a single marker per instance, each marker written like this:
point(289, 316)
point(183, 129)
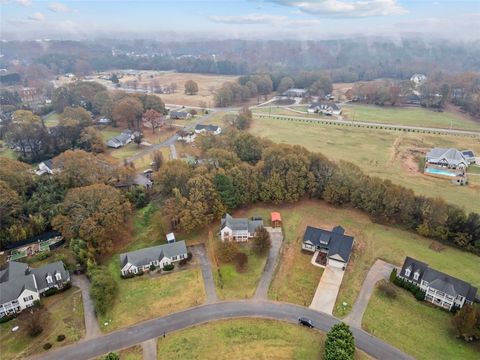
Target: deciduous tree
point(261, 242)
point(191, 87)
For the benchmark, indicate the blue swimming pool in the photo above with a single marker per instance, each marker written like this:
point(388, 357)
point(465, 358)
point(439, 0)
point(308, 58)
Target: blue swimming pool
point(439, 172)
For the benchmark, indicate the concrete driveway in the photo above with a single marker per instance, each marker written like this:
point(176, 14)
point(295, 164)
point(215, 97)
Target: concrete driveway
point(327, 290)
point(276, 237)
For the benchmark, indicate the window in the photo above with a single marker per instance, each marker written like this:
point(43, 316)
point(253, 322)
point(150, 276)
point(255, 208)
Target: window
point(28, 298)
point(416, 275)
point(174, 257)
point(58, 276)
point(407, 272)
point(49, 279)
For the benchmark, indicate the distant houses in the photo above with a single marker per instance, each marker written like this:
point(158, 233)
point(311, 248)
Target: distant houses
point(21, 286)
point(104, 121)
point(294, 92)
point(238, 229)
point(440, 289)
point(180, 115)
point(325, 108)
point(210, 129)
point(121, 140)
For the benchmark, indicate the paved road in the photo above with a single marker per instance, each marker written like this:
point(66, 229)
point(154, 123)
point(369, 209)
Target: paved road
point(277, 238)
point(367, 123)
point(200, 252)
point(327, 290)
point(380, 270)
point(222, 310)
point(149, 349)
point(92, 329)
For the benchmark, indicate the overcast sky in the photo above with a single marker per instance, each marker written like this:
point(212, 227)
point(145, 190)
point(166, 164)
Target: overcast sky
point(269, 19)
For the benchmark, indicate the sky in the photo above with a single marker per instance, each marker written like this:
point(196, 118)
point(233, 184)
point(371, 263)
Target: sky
point(248, 19)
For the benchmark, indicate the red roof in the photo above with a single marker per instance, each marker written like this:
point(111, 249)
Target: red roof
point(276, 216)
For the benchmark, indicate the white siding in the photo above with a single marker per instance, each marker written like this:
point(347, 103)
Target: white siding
point(335, 263)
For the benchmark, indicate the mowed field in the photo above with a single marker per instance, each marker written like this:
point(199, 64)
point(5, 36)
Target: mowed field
point(245, 339)
point(388, 154)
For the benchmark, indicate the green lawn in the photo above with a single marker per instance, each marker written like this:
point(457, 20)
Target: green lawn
point(288, 111)
point(418, 328)
point(235, 285)
point(52, 119)
point(5, 151)
point(409, 116)
point(62, 314)
point(245, 339)
point(387, 154)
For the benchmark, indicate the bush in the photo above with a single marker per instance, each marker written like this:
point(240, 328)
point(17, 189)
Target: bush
point(189, 256)
point(60, 338)
point(103, 289)
point(413, 288)
point(7, 318)
point(152, 267)
point(261, 243)
point(340, 343)
point(388, 289)
point(393, 275)
point(182, 262)
point(47, 346)
point(169, 267)
point(227, 251)
point(51, 291)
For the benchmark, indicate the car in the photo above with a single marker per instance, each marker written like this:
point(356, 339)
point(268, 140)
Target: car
point(305, 322)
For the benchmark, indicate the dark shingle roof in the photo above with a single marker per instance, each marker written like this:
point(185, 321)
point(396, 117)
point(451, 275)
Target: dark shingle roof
point(240, 223)
point(51, 269)
point(209, 128)
point(414, 266)
point(145, 256)
point(337, 243)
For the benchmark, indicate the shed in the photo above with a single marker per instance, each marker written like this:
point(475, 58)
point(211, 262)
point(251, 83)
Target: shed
point(276, 219)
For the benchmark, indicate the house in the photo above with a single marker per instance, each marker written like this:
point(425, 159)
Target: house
point(104, 121)
point(326, 108)
point(440, 289)
point(412, 99)
point(186, 136)
point(181, 115)
point(137, 261)
point(469, 155)
point(450, 158)
point(295, 93)
point(334, 247)
point(21, 286)
point(275, 219)
point(45, 167)
point(142, 180)
point(418, 79)
point(239, 229)
point(121, 140)
point(211, 129)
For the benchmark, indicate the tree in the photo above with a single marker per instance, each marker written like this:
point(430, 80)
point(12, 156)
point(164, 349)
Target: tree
point(112, 356)
point(227, 250)
point(157, 160)
point(10, 205)
point(340, 343)
point(103, 289)
point(191, 87)
point(261, 242)
point(153, 119)
point(285, 84)
point(174, 174)
point(16, 174)
point(33, 322)
point(322, 86)
point(137, 138)
point(78, 114)
point(90, 213)
point(103, 104)
point(92, 140)
point(62, 97)
point(114, 78)
point(467, 322)
point(247, 147)
point(173, 87)
point(128, 112)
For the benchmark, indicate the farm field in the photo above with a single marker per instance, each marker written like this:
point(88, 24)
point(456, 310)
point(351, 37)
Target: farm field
point(62, 315)
point(387, 154)
point(245, 339)
point(413, 116)
point(296, 281)
point(401, 321)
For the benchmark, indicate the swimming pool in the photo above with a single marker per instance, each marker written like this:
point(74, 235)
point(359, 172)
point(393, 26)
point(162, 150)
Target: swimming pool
point(439, 172)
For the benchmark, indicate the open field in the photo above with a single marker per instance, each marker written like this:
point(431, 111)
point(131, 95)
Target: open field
point(404, 321)
point(62, 314)
point(296, 279)
point(289, 112)
point(412, 116)
point(52, 119)
point(387, 154)
point(245, 339)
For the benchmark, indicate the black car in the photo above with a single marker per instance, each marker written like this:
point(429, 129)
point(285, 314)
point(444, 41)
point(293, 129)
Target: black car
point(305, 322)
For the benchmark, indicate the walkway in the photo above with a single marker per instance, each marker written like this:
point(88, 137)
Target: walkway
point(277, 238)
point(149, 349)
point(173, 152)
point(200, 252)
point(380, 270)
point(327, 290)
point(92, 329)
point(223, 310)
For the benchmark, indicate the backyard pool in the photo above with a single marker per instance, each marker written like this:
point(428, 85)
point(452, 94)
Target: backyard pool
point(439, 172)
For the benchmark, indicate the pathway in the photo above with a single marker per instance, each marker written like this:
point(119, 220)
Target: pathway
point(92, 329)
point(149, 349)
point(277, 237)
point(154, 328)
point(327, 290)
point(380, 270)
point(200, 252)
point(173, 152)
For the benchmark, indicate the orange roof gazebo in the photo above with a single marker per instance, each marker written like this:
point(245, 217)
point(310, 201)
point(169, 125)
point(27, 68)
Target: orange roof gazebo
point(276, 219)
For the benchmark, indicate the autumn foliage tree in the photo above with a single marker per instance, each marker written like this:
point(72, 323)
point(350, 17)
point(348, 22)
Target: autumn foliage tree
point(153, 119)
point(96, 214)
point(261, 242)
point(191, 87)
point(128, 112)
point(467, 322)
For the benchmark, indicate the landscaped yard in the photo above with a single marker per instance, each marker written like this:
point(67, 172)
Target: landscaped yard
point(245, 339)
point(387, 154)
point(418, 328)
point(62, 315)
point(414, 116)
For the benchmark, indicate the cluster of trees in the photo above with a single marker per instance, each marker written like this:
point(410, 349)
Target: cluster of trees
point(467, 322)
point(340, 343)
point(240, 169)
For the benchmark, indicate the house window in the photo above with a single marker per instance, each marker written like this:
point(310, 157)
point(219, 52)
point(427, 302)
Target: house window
point(58, 276)
point(416, 275)
point(28, 298)
point(174, 258)
point(407, 272)
point(49, 279)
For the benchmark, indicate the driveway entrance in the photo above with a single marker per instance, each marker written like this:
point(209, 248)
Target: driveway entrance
point(327, 290)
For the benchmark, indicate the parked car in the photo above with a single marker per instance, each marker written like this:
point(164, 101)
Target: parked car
point(305, 322)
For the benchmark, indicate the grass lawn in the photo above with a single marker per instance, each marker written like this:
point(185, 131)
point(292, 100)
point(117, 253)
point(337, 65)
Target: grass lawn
point(110, 132)
point(245, 339)
point(63, 314)
point(387, 154)
point(288, 111)
point(131, 353)
point(52, 119)
point(236, 285)
point(296, 279)
point(409, 116)
point(5, 151)
point(403, 321)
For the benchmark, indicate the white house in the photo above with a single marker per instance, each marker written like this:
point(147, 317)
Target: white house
point(186, 136)
point(334, 247)
point(239, 229)
point(418, 79)
point(326, 108)
point(137, 261)
point(45, 167)
point(440, 289)
point(294, 92)
point(211, 129)
point(21, 286)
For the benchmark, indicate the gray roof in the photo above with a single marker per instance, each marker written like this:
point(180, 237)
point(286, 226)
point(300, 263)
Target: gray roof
point(450, 156)
point(142, 180)
point(438, 280)
point(48, 164)
point(121, 139)
point(145, 256)
point(179, 114)
point(324, 105)
point(335, 241)
point(210, 128)
point(51, 269)
point(240, 223)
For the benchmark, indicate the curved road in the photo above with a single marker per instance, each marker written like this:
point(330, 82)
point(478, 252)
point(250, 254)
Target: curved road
point(223, 310)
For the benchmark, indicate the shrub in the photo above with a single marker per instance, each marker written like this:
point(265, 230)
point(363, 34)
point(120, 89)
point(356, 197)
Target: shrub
point(413, 288)
point(340, 343)
point(60, 338)
point(7, 318)
point(241, 260)
point(189, 256)
point(227, 250)
point(182, 262)
point(168, 267)
point(51, 291)
point(467, 322)
point(127, 276)
point(393, 275)
point(103, 289)
point(112, 356)
point(261, 243)
point(47, 346)
point(152, 267)
point(388, 289)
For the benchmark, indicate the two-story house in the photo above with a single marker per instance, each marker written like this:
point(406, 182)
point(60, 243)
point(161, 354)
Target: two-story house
point(238, 229)
point(440, 289)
